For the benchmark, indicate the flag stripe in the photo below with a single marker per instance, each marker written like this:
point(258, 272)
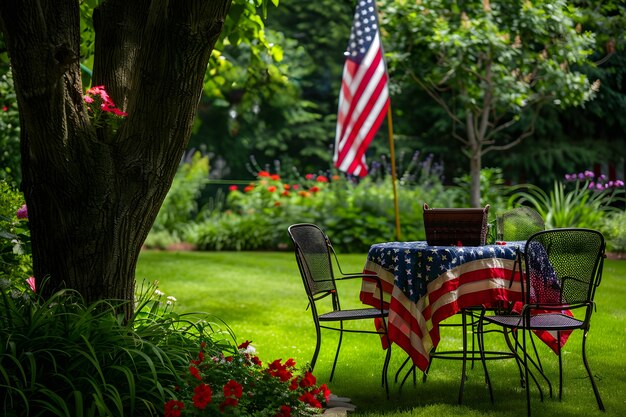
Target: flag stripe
point(364, 95)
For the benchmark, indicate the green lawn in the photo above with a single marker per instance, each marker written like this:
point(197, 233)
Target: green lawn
point(261, 297)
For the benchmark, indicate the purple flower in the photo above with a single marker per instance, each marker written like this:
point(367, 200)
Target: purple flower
point(22, 212)
point(619, 183)
point(591, 185)
point(588, 174)
point(599, 186)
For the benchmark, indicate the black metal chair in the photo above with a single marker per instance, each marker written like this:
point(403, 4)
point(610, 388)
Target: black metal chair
point(562, 270)
point(313, 251)
point(518, 224)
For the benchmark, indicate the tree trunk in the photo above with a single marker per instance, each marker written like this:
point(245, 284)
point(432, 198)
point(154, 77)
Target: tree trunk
point(475, 167)
point(92, 193)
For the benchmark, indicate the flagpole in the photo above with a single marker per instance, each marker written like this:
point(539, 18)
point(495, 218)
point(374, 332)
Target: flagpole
point(393, 172)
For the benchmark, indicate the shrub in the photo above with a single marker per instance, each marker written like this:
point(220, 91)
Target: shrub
point(60, 357)
point(15, 250)
point(584, 206)
point(614, 230)
point(237, 383)
point(181, 203)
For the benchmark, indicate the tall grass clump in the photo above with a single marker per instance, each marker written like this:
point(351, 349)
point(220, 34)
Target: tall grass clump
point(62, 357)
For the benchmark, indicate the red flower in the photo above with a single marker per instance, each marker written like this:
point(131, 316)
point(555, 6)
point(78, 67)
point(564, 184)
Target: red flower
point(233, 388)
point(248, 188)
point(173, 407)
point(275, 177)
point(325, 391)
point(276, 203)
point(295, 186)
point(263, 174)
point(195, 373)
point(228, 402)
point(257, 361)
point(290, 363)
point(285, 193)
point(202, 396)
point(308, 380)
point(233, 188)
point(271, 188)
point(310, 399)
point(314, 189)
point(309, 176)
point(286, 186)
point(244, 345)
point(321, 178)
point(294, 384)
point(285, 411)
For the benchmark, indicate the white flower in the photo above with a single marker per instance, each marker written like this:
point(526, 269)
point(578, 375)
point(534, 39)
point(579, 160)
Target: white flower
point(171, 299)
point(159, 292)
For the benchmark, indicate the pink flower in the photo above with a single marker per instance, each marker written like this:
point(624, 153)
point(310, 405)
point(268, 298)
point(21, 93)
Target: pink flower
point(22, 212)
point(233, 188)
point(31, 283)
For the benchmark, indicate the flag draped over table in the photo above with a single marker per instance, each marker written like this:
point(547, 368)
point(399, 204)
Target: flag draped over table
point(364, 96)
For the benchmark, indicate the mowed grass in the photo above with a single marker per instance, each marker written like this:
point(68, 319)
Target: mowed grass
point(261, 298)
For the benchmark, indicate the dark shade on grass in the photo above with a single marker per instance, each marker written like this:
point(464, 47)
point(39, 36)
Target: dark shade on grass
point(261, 297)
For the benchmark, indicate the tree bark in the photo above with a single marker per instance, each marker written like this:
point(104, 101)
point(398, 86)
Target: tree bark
point(93, 194)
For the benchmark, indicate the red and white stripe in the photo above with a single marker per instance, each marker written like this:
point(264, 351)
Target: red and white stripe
point(363, 104)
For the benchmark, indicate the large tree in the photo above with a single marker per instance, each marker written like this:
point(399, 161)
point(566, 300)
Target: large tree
point(489, 65)
point(92, 191)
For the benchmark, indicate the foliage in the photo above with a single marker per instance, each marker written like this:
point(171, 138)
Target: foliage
point(181, 203)
point(584, 206)
point(614, 230)
point(15, 250)
point(10, 169)
point(237, 383)
point(489, 65)
point(355, 212)
point(63, 357)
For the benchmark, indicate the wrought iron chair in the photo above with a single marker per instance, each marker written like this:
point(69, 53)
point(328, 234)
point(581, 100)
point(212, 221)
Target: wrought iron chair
point(313, 251)
point(563, 269)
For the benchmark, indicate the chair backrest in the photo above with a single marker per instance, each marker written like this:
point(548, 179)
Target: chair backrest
point(313, 254)
point(563, 266)
point(518, 224)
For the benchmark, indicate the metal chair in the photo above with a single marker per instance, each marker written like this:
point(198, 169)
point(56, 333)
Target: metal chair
point(563, 269)
point(313, 251)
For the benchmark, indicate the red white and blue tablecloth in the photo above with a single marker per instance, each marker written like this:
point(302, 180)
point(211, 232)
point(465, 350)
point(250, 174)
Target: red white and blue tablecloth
point(423, 285)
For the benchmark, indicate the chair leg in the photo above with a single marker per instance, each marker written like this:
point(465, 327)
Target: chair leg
point(464, 353)
point(318, 343)
point(385, 377)
point(559, 354)
point(591, 378)
point(483, 359)
point(332, 372)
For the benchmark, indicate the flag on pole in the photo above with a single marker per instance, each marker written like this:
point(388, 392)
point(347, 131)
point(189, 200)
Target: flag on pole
point(364, 95)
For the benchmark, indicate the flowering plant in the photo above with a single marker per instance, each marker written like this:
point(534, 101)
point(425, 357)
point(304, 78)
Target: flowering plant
point(100, 105)
point(239, 384)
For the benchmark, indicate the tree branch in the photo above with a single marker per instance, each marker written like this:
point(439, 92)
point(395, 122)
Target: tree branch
point(435, 97)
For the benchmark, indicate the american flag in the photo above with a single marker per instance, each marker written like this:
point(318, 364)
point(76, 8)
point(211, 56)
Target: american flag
point(364, 96)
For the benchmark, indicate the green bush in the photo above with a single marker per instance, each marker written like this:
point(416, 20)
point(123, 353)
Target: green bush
point(583, 206)
point(181, 203)
point(15, 251)
point(614, 230)
point(60, 357)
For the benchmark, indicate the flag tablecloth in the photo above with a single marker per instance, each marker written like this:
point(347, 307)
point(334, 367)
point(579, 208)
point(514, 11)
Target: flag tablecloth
point(423, 285)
